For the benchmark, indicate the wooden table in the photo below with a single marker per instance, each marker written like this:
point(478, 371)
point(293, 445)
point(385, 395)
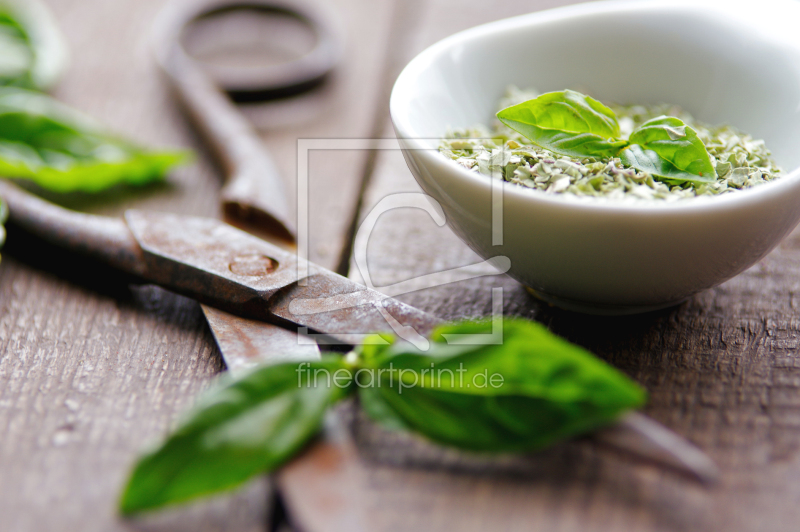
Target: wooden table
point(91, 369)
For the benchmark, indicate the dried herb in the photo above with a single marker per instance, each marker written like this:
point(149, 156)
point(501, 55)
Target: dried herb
point(639, 172)
point(572, 124)
point(530, 391)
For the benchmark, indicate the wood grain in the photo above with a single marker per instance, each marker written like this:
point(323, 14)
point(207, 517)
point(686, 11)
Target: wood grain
point(90, 369)
point(721, 369)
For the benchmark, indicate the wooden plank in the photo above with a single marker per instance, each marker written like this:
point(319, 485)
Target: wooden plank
point(91, 370)
point(721, 369)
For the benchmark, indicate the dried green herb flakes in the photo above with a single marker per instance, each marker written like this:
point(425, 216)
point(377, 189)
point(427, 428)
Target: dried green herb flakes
point(739, 161)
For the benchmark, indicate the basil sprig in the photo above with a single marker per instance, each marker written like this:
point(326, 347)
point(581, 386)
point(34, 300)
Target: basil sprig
point(570, 123)
point(529, 391)
point(61, 150)
point(246, 426)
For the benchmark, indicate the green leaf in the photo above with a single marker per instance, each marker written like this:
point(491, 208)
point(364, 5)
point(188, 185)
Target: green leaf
point(568, 123)
point(528, 392)
point(61, 150)
point(248, 425)
point(667, 148)
point(33, 53)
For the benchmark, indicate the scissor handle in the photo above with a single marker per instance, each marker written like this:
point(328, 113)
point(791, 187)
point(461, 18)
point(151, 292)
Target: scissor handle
point(219, 265)
point(262, 82)
point(253, 193)
point(166, 249)
point(100, 237)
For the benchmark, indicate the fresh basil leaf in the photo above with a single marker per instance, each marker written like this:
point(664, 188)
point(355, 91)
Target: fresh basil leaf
point(61, 150)
point(531, 390)
point(249, 425)
point(568, 123)
point(377, 408)
point(669, 149)
point(33, 53)
point(651, 162)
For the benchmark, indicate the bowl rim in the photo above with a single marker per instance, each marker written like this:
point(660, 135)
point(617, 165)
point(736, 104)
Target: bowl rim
point(402, 94)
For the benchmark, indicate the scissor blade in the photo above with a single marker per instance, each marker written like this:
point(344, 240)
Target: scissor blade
point(324, 489)
point(644, 437)
point(214, 262)
point(321, 487)
point(346, 311)
point(245, 343)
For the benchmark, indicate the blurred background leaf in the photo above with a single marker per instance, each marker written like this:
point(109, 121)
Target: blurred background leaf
point(32, 51)
point(62, 150)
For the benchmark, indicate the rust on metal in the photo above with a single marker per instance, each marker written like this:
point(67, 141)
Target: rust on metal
point(194, 256)
point(253, 187)
point(253, 194)
point(344, 310)
point(324, 488)
point(217, 264)
point(253, 265)
point(245, 343)
point(106, 239)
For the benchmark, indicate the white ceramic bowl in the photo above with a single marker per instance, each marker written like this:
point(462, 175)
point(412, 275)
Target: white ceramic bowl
point(725, 62)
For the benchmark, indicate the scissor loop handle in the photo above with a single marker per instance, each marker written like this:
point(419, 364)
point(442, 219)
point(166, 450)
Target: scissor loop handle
point(254, 194)
point(266, 81)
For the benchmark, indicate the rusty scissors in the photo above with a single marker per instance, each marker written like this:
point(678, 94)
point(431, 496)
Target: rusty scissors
point(258, 295)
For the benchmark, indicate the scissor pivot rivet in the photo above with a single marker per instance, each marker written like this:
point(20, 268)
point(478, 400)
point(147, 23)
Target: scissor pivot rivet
point(253, 265)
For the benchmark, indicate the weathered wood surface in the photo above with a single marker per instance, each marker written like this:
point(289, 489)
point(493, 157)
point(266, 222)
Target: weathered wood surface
point(91, 370)
point(722, 369)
